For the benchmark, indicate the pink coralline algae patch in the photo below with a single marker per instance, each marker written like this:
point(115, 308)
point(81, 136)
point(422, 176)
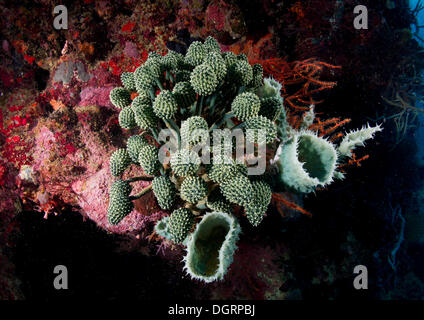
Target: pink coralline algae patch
point(96, 96)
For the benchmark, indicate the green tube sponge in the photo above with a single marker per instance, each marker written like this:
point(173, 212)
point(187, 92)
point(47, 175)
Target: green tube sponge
point(162, 228)
point(270, 88)
point(255, 209)
point(185, 163)
point(165, 106)
point(212, 45)
point(217, 202)
point(271, 108)
point(120, 97)
point(119, 207)
point(134, 145)
point(193, 189)
point(203, 80)
point(143, 113)
point(192, 130)
point(357, 138)
point(180, 223)
point(238, 190)
point(223, 170)
point(165, 192)
point(127, 118)
point(196, 53)
point(217, 63)
point(119, 161)
point(246, 105)
point(253, 127)
point(211, 247)
point(128, 81)
point(306, 162)
point(148, 159)
point(144, 78)
point(184, 94)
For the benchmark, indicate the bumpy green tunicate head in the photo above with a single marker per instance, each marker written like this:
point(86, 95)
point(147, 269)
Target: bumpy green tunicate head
point(241, 72)
point(154, 63)
point(230, 58)
point(185, 163)
point(217, 63)
point(184, 94)
point(170, 60)
point(217, 202)
point(119, 161)
point(120, 188)
point(165, 106)
point(180, 223)
point(143, 113)
point(222, 169)
point(196, 53)
point(120, 97)
point(255, 209)
point(128, 81)
point(203, 80)
point(148, 159)
point(134, 145)
point(144, 78)
point(271, 108)
point(193, 189)
point(245, 106)
point(165, 191)
point(211, 45)
point(127, 118)
point(258, 75)
point(260, 130)
point(193, 129)
point(119, 208)
point(238, 190)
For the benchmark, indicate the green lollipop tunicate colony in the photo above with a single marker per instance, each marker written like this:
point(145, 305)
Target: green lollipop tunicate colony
point(191, 96)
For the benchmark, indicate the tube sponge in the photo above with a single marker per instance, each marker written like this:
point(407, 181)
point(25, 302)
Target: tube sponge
point(307, 161)
point(357, 138)
point(211, 247)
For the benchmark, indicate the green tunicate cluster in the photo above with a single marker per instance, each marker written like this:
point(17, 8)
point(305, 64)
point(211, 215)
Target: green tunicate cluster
point(180, 223)
point(205, 99)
